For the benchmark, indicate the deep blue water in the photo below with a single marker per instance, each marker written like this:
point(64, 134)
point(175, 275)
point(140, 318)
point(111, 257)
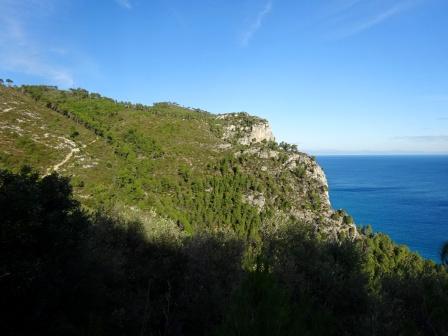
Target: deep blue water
point(403, 196)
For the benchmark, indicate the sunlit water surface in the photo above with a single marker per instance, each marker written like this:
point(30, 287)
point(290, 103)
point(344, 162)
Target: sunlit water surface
point(403, 196)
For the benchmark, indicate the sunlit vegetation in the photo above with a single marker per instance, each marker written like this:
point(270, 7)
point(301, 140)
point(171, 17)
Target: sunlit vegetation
point(153, 225)
point(162, 157)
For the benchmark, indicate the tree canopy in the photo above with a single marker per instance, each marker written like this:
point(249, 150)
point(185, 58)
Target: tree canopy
point(67, 271)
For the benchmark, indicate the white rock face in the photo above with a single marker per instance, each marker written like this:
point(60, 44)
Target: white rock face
point(319, 175)
point(257, 133)
point(246, 133)
point(256, 199)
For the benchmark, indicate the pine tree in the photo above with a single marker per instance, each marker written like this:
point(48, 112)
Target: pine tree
point(444, 254)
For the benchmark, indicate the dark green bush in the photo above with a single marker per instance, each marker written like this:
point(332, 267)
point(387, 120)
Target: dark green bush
point(67, 272)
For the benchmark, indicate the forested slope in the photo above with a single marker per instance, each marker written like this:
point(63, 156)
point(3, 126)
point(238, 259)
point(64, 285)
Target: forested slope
point(124, 219)
point(67, 272)
point(205, 172)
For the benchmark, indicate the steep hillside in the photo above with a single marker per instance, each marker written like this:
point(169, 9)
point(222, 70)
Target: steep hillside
point(201, 224)
point(204, 171)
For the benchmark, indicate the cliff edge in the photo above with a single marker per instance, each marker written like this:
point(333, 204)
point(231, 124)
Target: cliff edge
point(302, 180)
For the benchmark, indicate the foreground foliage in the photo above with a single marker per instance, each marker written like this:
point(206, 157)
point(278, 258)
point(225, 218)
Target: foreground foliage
point(65, 271)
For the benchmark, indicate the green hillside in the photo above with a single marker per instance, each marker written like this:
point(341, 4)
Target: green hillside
point(183, 163)
point(125, 219)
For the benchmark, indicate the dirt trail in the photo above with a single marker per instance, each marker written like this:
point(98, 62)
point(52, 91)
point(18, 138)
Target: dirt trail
point(56, 167)
point(90, 143)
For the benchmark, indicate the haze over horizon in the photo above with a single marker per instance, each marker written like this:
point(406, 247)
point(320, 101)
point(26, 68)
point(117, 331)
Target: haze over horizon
point(338, 76)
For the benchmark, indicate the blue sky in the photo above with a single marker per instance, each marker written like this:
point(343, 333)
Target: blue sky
point(334, 76)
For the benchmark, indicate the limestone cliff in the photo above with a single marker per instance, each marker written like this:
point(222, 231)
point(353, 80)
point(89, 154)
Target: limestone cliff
point(245, 129)
point(303, 181)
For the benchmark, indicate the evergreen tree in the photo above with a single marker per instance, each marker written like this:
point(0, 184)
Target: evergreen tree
point(444, 254)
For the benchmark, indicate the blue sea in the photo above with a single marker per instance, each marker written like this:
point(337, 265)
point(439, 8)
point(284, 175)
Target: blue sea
point(403, 196)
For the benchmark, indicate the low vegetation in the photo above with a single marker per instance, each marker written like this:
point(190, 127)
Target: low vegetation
point(163, 158)
point(67, 271)
point(147, 220)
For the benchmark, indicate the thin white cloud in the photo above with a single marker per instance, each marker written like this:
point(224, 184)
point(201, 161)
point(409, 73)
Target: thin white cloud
point(21, 53)
point(256, 25)
point(379, 18)
point(338, 7)
point(124, 3)
point(352, 17)
point(32, 64)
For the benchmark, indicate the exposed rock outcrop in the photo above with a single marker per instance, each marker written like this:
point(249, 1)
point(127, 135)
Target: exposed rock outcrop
point(304, 185)
point(244, 129)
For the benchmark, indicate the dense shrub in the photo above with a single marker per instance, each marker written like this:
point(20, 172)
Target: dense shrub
point(64, 271)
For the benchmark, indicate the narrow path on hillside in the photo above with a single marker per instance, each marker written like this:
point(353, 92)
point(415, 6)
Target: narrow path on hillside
point(60, 164)
point(90, 143)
